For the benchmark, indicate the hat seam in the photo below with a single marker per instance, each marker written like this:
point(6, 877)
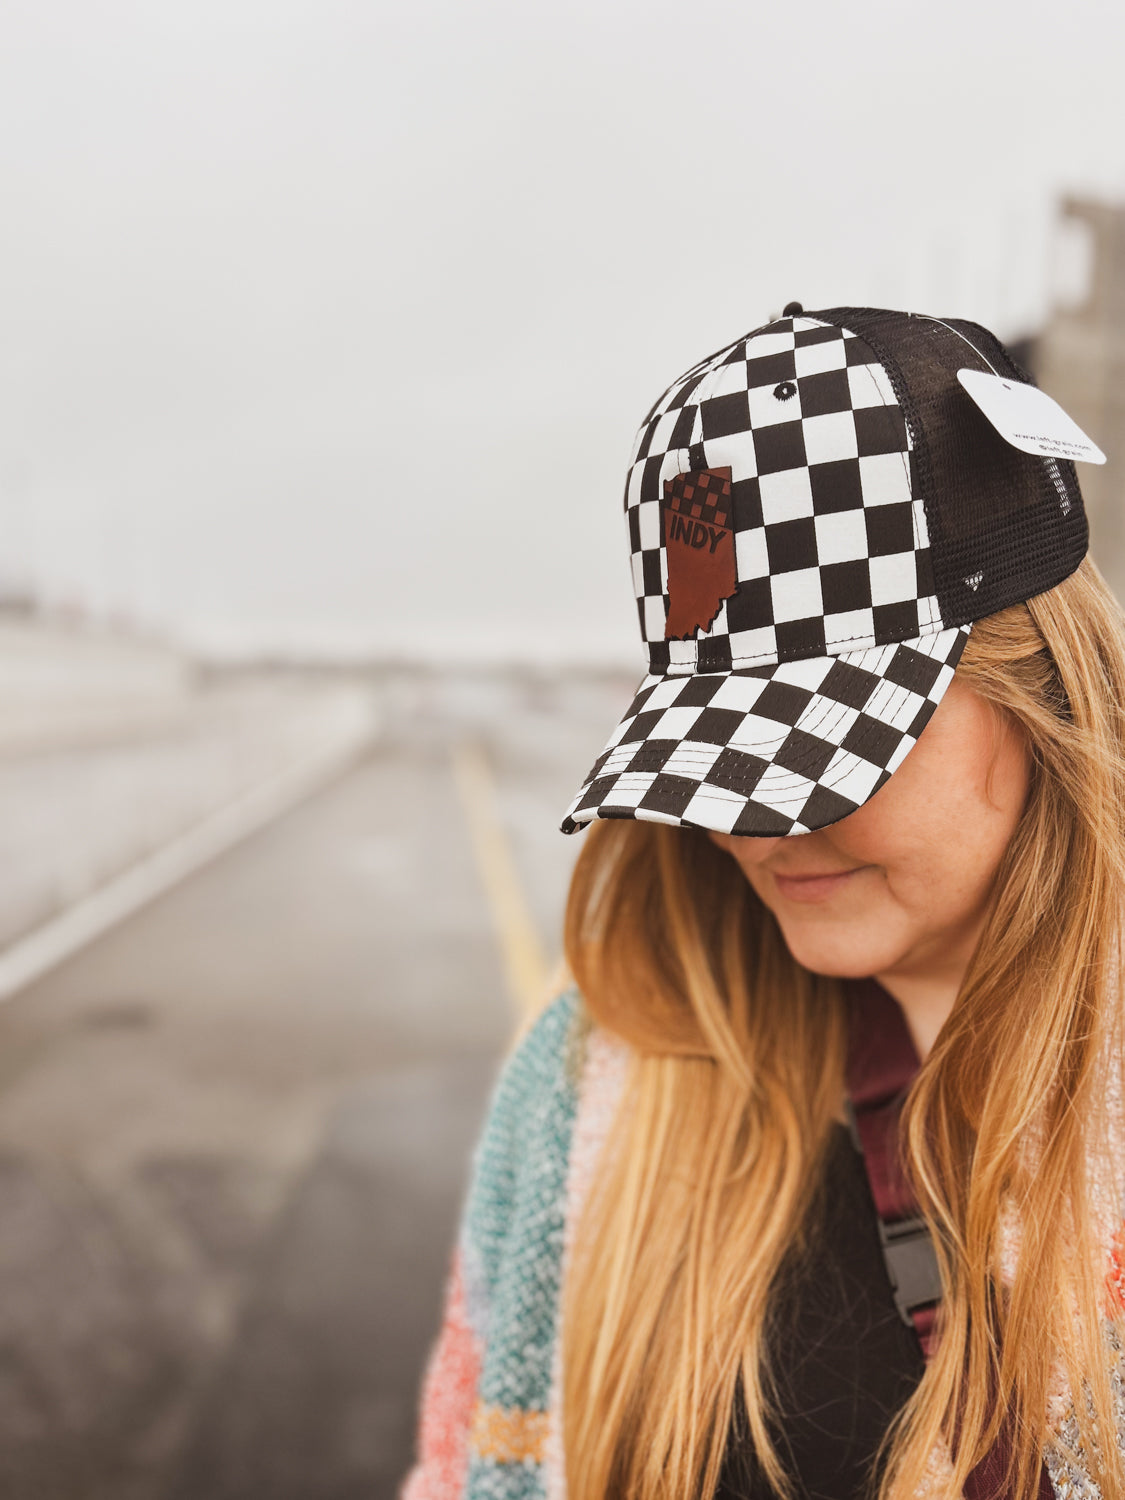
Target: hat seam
point(771, 657)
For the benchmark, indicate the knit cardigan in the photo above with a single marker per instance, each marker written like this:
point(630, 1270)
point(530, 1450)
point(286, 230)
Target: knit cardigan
point(490, 1416)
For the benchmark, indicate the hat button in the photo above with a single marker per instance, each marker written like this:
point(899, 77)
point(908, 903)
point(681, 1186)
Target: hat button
point(792, 310)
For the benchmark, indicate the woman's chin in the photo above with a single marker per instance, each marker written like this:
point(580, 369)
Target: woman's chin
point(839, 955)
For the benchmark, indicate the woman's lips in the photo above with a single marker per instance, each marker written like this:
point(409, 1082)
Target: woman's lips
point(810, 888)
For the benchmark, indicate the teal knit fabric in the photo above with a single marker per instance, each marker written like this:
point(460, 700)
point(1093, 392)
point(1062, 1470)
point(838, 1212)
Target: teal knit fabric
point(512, 1236)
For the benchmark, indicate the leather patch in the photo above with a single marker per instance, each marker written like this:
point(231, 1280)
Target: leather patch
point(699, 543)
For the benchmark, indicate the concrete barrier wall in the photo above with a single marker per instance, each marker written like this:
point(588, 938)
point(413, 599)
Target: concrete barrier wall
point(111, 750)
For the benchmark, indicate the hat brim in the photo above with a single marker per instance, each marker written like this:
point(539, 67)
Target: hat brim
point(773, 750)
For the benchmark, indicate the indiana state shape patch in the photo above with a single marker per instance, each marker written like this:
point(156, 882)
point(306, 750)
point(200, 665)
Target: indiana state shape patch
point(699, 544)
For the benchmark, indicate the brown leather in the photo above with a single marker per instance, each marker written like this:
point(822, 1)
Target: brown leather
point(699, 544)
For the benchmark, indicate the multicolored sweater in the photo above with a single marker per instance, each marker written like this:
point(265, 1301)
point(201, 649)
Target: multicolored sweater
point(490, 1421)
point(490, 1404)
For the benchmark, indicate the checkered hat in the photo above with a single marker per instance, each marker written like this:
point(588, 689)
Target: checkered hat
point(817, 514)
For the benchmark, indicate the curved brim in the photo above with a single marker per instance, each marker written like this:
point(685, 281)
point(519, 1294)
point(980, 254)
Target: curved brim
point(771, 750)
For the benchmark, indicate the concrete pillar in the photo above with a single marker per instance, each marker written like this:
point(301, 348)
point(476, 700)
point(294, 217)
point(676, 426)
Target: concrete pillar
point(1081, 362)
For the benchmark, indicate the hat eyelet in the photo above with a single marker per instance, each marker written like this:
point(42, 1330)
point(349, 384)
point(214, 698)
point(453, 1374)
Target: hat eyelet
point(785, 391)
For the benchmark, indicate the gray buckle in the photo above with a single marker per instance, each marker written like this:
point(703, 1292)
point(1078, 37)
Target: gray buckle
point(912, 1265)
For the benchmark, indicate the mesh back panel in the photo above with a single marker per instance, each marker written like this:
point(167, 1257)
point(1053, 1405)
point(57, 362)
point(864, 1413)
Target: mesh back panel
point(1004, 525)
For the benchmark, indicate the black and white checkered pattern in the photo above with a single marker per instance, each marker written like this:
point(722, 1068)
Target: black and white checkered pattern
point(771, 750)
point(831, 548)
point(820, 671)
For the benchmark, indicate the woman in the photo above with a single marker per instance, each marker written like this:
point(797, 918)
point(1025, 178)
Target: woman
point(860, 836)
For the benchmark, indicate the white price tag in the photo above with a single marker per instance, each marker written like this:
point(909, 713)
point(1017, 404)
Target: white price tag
point(1028, 418)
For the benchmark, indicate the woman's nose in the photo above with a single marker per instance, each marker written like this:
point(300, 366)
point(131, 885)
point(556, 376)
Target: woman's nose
point(754, 849)
point(746, 848)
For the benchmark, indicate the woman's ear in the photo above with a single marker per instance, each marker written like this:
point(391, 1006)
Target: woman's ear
point(1010, 749)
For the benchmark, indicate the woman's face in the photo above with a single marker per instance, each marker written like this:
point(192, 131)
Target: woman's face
point(900, 887)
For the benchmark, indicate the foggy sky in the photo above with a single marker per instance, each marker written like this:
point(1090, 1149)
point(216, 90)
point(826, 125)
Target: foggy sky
point(326, 326)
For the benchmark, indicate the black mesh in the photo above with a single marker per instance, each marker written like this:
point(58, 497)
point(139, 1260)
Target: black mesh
point(1004, 525)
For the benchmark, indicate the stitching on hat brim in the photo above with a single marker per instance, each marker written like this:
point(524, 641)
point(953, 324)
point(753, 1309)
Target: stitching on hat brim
point(852, 758)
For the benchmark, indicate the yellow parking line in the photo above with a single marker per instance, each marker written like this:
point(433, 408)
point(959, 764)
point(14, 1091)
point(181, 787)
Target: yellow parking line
point(525, 964)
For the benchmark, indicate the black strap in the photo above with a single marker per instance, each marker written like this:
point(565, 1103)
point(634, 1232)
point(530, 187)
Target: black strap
point(882, 1062)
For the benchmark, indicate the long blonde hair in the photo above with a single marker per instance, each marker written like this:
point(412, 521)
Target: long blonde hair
point(738, 1075)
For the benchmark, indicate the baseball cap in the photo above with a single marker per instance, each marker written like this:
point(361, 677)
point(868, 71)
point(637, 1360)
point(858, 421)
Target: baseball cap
point(817, 515)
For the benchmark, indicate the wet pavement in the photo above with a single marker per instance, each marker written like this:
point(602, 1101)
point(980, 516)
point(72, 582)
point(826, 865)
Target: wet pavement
point(234, 1131)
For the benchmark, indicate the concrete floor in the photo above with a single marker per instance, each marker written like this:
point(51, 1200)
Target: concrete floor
point(234, 1132)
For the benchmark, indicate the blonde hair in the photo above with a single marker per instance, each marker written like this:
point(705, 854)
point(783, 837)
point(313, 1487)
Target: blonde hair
point(738, 1075)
